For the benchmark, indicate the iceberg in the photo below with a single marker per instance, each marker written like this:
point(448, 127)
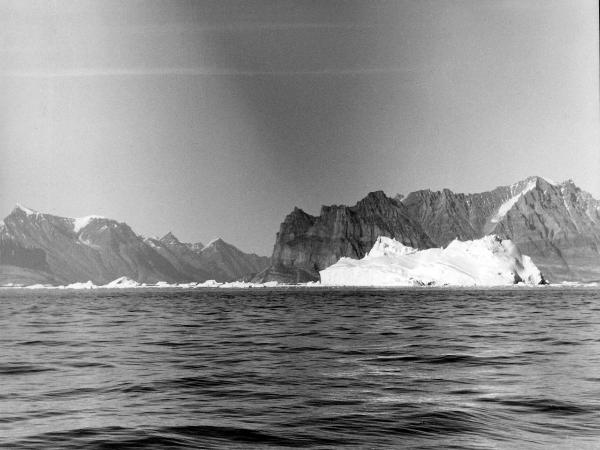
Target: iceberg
point(248, 285)
point(122, 283)
point(209, 284)
point(127, 283)
point(489, 261)
point(38, 286)
point(80, 285)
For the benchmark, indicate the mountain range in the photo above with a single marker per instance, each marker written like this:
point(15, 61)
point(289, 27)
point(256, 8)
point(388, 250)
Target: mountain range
point(556, 224)
point(43, 248)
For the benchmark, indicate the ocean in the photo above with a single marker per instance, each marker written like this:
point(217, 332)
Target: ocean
point(256, 368)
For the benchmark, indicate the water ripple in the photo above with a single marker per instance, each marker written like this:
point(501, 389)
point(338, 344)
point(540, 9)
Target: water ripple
point(421, 368)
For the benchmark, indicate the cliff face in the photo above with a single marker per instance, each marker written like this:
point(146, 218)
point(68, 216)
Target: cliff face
point(306, 244)
point(445, 215)
point(557, 225)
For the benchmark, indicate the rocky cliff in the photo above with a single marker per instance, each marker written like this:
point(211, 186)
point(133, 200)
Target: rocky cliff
point(557, 224)
point(306, 244)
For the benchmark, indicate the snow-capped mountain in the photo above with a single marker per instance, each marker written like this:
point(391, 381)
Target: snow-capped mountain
point(46, 248)
point(557, 224)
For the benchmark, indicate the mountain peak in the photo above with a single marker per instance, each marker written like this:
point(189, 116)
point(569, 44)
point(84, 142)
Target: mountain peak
point(28, 211)
point(215, 242)
point(169, 237)
point(377, 195)
point(536, 181)
point(376, 200)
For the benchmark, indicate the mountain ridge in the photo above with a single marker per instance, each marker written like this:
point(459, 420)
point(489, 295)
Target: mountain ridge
point(557, 224)
point(39, 246)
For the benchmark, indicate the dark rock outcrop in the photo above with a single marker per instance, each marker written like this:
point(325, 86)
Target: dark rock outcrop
point(306, 244)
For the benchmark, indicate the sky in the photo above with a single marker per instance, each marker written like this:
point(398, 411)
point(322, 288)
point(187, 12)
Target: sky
point(216, 118)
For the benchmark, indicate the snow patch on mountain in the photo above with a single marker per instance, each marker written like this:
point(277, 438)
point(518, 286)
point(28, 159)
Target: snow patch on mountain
point(489, 261)
point(549, 181)
point(82, 222)
point(507, 205)
point(28, 211)
point(213, 241)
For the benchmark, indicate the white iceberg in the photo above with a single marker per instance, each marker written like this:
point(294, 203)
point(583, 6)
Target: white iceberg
point(239, 285)
point(38, 286)
point(247, 285)
point(209, 284)
point(86, 285)
point(127, 283)
point(489, 261)
point(189, 285)
point(122, 283)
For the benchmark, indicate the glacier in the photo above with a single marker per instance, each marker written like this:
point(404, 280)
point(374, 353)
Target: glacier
point(489, 261)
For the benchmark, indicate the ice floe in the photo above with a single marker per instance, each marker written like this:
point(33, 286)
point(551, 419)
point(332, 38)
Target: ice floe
point(128, 283)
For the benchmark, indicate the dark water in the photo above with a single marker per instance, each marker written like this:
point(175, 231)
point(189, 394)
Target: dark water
point(300, 368)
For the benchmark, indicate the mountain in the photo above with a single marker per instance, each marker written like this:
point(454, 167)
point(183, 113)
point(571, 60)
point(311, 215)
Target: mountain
point(230, 261)
point(43, 248)
point(180, 256)
point(307, 244)
point(92, 248)
point(556, 224)
point(218, 260)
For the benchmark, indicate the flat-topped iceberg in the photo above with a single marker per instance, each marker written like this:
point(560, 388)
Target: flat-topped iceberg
point(489, 261)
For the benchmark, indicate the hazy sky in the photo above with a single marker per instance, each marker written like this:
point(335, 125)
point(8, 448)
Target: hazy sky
point(216, 118)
